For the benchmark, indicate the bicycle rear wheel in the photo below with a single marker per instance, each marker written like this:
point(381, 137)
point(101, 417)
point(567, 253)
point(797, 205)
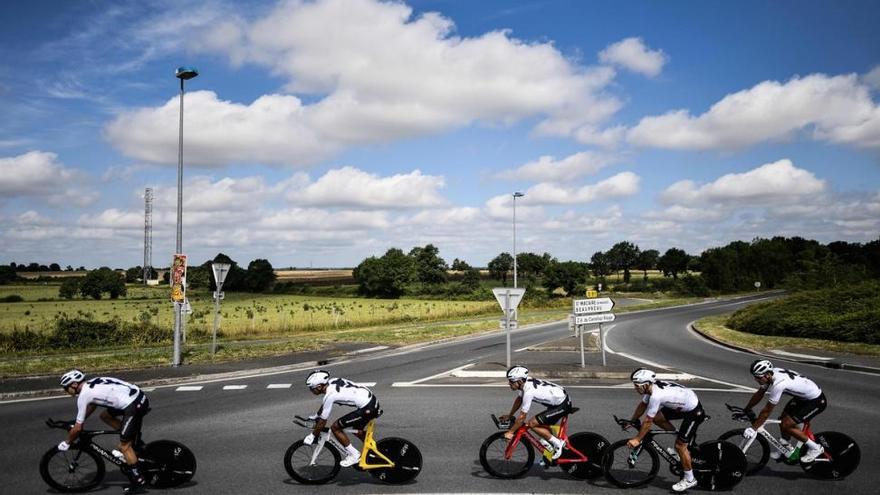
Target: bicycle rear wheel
point(843, 456)
point(74, 470)
point(167, 463)
point(719, 465)
point(299, 465)
point(406, 457)
point(496, 464)
point(628, 468)
point(591, 445)
point(758, 452)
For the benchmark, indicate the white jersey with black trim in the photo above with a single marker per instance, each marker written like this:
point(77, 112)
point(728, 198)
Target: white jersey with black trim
point(346, 393)
point(542, 392)
point(107, 392)
point(670, 395)
point(791, 383)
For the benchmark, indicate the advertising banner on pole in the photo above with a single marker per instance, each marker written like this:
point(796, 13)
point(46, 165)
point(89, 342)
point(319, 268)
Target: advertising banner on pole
point(178, 278)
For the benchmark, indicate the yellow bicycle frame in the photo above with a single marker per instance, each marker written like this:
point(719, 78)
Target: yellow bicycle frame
point(370, 446)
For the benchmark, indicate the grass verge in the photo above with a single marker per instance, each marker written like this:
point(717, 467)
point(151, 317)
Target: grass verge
point(714, 326)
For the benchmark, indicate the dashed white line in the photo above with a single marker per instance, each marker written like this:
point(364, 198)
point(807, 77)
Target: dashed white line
point(188, 388)
point(794, 354)
point(279, 385)
point(371, 349)
point(234, 387)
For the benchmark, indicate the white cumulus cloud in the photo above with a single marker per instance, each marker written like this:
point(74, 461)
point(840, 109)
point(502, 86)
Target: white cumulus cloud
point(549, 169)
point(620, 185)
point(349, 186)
point(633, 54)
point(38, 174)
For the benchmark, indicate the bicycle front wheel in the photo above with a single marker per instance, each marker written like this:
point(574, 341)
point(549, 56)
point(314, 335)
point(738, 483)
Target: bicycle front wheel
point(719, 465)
point(406, 457)
point(629, 468)
point(842, 456)
point(497, 464)
point(74, 470)
point(167, 463)
point(307, 468)
point(758, 452)
point(591, 445)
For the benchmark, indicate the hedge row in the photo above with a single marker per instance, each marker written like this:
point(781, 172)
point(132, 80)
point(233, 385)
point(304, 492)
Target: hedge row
point(82, 333)
point(846, 315)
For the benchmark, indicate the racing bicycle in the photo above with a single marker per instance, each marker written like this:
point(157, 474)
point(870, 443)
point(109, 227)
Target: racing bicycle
point(392, 460)
point(163, 463)
point(717, 465)
point(841, 457)
point(580, 457)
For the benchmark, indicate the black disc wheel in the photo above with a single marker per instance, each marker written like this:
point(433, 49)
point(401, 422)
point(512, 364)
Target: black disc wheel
point(841, 457)
point(166, 463)
point(404, 454)
point(494, 458)
point(72, 470)
point(311, 464)
point(719, 465)
point(593, 447)
point(629, 468)
point(757, 452)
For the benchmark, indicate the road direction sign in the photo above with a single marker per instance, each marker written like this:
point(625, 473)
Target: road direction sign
point(515, 297)
point(502, 322)
point(589, 319)
point(587, 306)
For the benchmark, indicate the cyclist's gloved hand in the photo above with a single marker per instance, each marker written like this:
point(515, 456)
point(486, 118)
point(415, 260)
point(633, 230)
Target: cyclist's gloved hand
point(309, 439)
point(749, 433)
point(63, 446)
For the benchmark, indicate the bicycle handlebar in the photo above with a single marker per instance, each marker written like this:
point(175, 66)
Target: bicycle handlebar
point(741, 414)
point(62, 425)
point(501, 425)
point(307, 423)
point(623, 423)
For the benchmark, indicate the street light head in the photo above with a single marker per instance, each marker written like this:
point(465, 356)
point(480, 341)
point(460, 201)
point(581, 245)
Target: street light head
point(518, 194)
point(186, 73)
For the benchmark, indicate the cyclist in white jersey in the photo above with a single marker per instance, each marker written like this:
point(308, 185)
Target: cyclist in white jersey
point(119, 398)
point(345, 393)
point(663, 401)
point(807, 401)
point(548, 394)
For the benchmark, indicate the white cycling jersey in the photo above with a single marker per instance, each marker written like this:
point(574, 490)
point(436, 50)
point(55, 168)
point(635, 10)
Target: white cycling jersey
point(791, 383)
point(107, 392)
point(346, 393)
point(671, 395)
point(542, 392)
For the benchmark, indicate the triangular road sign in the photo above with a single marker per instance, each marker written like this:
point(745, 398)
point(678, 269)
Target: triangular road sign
point(516, 296)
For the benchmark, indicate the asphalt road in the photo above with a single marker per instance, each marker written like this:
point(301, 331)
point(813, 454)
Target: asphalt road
point(239, 435)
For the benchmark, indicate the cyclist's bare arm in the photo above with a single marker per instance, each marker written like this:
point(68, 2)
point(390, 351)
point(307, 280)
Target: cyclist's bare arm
point(646, 427)
point(516, 403)
point(640, 409)
point(763, 415)
point(319, 426)
point(518, 421)
point(756, 397)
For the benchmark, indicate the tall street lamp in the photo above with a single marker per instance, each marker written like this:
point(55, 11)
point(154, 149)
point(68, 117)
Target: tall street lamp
point(515, 195)
point(184, 74)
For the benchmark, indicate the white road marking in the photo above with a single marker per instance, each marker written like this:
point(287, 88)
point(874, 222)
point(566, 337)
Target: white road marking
point(624, 386)
point(479, 374)
point(371, 349)
point(367, 384)
point(793, 354)
point(279, 385)
point(234, 387)
point(438, 375)
point(188, 388)
point(546, 341)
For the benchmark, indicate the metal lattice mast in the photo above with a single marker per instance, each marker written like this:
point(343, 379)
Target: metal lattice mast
point(148, 234)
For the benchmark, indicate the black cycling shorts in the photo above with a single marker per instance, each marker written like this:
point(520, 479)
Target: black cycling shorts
point(359, 418)
point(132, 417)
point(802, 410)
point(691, 421)
point(553, 414)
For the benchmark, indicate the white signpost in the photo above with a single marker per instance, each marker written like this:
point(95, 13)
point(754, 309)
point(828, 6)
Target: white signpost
point(220, 271)
point(509, 298)
point(590, 311)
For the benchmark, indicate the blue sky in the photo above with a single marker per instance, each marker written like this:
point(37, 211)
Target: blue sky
point(322, 132)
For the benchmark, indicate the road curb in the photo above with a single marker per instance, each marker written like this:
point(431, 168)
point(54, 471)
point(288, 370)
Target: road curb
point(824, 364)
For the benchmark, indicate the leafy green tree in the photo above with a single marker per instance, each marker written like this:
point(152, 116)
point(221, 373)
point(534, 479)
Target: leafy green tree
point(134, 274)
point(69, 288)
point(429, 266)
point(647, 261)
point(96, 282)
point(531, 266)
point(7, 274)
point(471, 279)
point(260, 275)
point(600, 265)
point(54, 267)
point(500, 266)
point(567, 274)
point(623, 256)
point(386, 276)
point(673, 262)
point(459, 265)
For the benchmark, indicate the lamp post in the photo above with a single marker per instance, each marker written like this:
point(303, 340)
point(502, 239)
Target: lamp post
point(184, 74)
point(515, 195)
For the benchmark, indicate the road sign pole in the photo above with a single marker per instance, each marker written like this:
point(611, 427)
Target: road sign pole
point(602, 343)
point(216, 321)
point(581, 332)
point(507, 324)
point(178, 308)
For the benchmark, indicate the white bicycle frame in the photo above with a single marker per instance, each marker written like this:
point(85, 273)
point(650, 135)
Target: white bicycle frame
point(325, 437)
point(786, 451)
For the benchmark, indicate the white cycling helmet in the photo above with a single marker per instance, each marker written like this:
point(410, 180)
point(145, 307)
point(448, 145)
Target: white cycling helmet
point(71, 377)
point(517, 372)
point(642, 376)
point(319, 377)
point(760, 367)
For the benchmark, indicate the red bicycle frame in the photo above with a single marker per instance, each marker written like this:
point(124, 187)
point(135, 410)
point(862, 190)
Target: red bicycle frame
point(523, 431)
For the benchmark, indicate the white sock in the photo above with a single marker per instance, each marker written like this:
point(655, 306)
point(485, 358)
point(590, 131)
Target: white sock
point(689, 475)
point(351, 450)
point(812, 445)
point(557, 442)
